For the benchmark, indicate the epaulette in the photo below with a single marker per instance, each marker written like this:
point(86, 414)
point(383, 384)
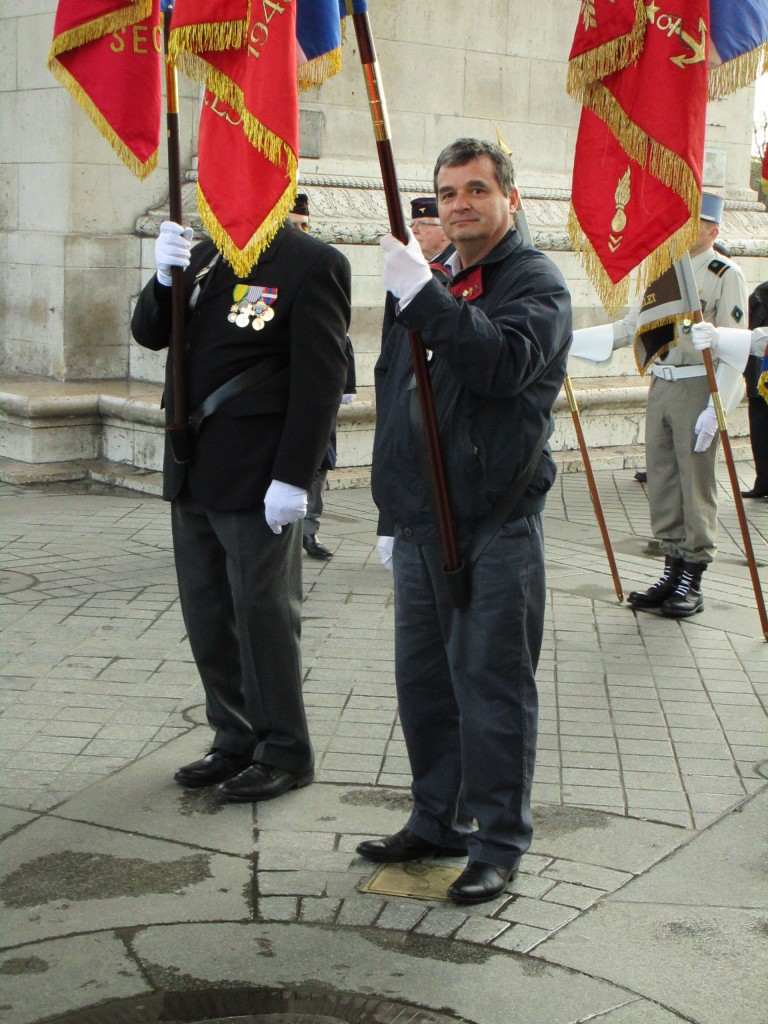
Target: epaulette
point(717, 267)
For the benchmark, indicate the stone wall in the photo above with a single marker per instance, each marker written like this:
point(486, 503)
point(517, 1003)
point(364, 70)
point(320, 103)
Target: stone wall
point(76, 227)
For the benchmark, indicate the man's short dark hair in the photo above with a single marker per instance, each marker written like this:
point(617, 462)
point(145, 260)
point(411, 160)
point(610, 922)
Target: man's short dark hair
point(462, 151)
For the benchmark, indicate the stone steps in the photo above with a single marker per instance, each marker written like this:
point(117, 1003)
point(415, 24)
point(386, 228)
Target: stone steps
point(111, 431)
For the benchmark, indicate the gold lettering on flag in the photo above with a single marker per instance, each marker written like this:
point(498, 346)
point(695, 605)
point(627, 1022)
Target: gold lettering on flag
point(259, 33)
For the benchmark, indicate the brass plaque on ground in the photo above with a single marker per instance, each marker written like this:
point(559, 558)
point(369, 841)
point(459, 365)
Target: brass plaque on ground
point(419, 881)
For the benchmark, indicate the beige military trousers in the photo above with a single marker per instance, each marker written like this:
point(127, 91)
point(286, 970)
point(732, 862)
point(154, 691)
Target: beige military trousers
point(682, 485)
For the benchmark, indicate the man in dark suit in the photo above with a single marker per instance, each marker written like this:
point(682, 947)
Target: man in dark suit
point(236, 506)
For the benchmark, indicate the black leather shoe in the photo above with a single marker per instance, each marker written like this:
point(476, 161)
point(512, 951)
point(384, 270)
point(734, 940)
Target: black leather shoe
point(315, 549)
point(262, 782)
point(641, 476)
point(402, 846)
point(754, 493)
point(217, 766)
point(480, 882)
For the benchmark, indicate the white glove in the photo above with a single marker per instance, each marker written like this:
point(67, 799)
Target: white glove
point(405, 269)
point(704, 336)
point(172, 249)
point(348, 399)
point(706, 428)
point(284, 504)
point(384, 546)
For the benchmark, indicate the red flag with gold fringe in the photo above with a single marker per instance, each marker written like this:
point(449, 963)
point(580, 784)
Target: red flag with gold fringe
point(247, 56)
point(641, 75)
point(107, 53)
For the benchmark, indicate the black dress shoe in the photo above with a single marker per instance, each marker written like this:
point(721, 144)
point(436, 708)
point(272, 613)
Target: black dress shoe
point(217, 766)
point(402, 846)
point(315, 549)
point(263, 782)
point(754, 493)
point(641, 476)
point(480, 882)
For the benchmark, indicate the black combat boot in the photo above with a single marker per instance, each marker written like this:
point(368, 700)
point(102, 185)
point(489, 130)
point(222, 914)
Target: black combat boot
point(664, 587)
point(687, 598)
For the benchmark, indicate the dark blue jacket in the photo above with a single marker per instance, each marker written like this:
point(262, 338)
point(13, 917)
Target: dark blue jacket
point(498, 363)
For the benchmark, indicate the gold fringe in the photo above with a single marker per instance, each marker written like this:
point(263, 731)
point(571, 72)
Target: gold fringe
point(676, 318)
point(604, 60)
point(614, 297)
point(90, 31)
point(194, 39)
point(735, 74)
point(762, 385)
point(319, 70)
point(131, 161)
point(241, 260)
point(260, 137)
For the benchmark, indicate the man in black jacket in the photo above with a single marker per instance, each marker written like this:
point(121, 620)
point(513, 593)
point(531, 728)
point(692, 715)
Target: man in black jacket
point(236, 506)
point(498, 336)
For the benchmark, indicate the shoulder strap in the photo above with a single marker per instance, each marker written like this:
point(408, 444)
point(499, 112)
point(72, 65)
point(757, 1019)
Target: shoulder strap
point(515, 489)
point(718, 267)
point(230, 389)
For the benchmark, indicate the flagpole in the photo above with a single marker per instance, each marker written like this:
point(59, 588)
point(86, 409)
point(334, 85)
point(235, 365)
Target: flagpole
point(697, 317)
point(521, 222)
point(454, 568)
point(178, 431)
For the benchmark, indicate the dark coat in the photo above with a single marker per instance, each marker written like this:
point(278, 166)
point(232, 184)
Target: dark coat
point(499, 360)
point(758, 317)
point(279, 429)
point(350, 388)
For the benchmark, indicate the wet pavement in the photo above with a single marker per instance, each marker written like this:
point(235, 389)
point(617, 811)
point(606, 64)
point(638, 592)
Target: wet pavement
point(644, 899)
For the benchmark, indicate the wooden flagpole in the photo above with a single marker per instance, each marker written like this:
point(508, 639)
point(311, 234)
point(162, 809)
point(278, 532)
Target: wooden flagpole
point(179, 431)
point(454, 568)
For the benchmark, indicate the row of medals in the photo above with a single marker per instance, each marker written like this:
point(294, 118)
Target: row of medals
point(240, 314)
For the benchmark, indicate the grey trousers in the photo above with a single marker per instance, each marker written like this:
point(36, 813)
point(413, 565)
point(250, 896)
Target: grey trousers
point(467, 692)
point(682, 484)
point(310, 524)
point(241, 594)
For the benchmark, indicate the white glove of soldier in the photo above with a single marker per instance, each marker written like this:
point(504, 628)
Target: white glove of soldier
point(405, 269)
point(384, 547)
point(284, 504)
point(172, 249)
point(705, 429)
point(704, 336)
point(348, 399)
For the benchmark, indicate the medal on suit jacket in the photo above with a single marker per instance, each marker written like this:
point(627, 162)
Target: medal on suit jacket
point(252, 306)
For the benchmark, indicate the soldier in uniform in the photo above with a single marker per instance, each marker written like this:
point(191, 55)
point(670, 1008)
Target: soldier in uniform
point(681, 426)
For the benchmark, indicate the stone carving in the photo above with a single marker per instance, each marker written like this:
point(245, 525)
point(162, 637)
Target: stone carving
point(350, 210)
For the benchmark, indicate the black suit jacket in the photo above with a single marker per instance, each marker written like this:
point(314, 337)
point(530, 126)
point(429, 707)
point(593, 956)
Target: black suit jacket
point(279, 429)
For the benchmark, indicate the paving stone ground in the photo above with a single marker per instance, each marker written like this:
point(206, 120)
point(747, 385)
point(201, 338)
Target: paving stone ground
point(652, 764)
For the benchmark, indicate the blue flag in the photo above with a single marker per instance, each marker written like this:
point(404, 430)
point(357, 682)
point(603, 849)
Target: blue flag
point(738, 44)
point(319, 35)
